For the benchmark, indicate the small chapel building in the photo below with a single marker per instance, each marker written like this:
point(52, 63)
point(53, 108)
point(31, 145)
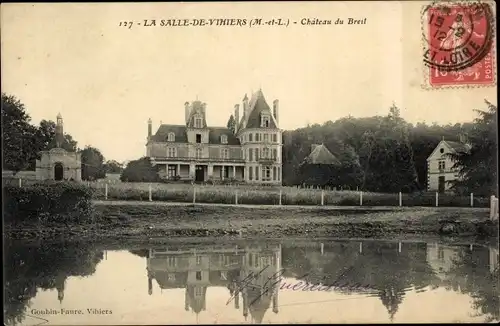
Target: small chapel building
point(58, 163)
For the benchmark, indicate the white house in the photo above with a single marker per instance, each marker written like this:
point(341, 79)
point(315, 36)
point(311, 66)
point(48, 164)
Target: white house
point(440, 167)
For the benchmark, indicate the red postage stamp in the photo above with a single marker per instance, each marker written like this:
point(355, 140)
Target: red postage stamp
point(459, 44)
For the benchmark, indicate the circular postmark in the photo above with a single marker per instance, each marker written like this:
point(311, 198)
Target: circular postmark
point(457, 34)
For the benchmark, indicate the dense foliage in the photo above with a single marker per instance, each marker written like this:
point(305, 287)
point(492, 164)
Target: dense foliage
point(57, 201)
point(93, 166)
point(141, 170)
point(478, 167)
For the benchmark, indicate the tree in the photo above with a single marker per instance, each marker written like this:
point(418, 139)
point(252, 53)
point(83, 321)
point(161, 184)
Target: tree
point(20, 147)
point(231, 123)
point(46, 134)
point(93, 167)
point(113, 166)
point(478, 166)
point(140, 170)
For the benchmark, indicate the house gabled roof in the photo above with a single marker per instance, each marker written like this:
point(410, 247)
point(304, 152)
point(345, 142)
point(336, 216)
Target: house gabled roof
point(321, 155)
point(256, 107)
point(454, 146)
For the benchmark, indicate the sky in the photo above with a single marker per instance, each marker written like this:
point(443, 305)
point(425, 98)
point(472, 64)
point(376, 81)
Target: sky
point(107, 80)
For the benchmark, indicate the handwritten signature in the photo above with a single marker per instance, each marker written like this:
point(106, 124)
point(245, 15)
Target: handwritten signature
point(276, 279)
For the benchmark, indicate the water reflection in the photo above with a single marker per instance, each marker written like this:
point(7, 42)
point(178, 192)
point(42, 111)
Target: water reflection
point(257, 280)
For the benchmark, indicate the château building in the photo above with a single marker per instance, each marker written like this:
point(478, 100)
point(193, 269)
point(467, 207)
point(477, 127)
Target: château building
point(248, 151)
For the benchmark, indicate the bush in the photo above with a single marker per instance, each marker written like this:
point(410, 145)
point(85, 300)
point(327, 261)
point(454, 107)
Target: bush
point(50, 201)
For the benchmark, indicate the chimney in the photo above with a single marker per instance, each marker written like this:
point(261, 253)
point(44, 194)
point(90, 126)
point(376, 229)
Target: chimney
point(187, 111)
point(245, 106)
point(59, 131)
point(276, 105)
point(150, 128)
point(236, 117)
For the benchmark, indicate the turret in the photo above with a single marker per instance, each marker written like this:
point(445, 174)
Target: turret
point(59, 131)
point(276, 104)
point(150, 128)
point(186, 111)
point(236, 117)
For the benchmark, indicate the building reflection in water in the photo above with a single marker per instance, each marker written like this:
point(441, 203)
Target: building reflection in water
point(245, 271)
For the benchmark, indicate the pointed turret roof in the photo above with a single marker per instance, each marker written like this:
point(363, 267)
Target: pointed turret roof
point(321, 155)
point(256, 107)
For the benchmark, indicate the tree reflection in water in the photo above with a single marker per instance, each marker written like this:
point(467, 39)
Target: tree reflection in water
point(46, 267)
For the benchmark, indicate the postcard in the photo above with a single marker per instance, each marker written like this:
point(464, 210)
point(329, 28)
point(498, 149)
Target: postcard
point(250, 162)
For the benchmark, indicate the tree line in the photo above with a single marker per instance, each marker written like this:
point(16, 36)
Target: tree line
point(23, 142)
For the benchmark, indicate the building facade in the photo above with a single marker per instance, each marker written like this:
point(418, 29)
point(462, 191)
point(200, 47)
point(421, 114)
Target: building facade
point(249, 152)
point(440, 169)
point(58, 163)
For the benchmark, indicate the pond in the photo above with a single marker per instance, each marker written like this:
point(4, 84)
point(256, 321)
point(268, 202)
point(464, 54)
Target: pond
point(293, 281)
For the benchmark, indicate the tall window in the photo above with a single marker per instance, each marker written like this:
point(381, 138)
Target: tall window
point(266, 137)
point(171, 172)
point(198, 291)
point(275, 153)
point(256, 154)
point(198, 260)
point(224, 153)
point(198, 278)
point(197, 122)
point(266, 173)
point(265, 152)
point(250, 137)
point(171, 136)
point(274, 173)
point(250, 173)
point(441, 165)
point(198, 153)
point(198, 138)
point(256, 173)
point(279, 173)
point(171, 152)
point(257, 137)
point(250, 154)
point(275, 138)
point(223, 139)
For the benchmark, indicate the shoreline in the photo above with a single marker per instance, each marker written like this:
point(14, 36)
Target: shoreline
point(162, 221)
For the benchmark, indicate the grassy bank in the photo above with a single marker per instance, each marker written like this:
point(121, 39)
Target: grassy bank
point(140, 223)
point(261, 195)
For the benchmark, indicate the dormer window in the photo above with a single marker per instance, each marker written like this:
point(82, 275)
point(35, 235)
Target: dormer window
point(223, 139)
point(264, 121)
point(171, 136)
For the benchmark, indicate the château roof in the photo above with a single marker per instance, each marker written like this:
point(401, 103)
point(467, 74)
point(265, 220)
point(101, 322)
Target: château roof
point(321, 155)
point(256, 107)
point(180, 132)
point(457, 146)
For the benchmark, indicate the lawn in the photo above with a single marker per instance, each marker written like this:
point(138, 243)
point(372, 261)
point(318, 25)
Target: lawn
point(264, 195)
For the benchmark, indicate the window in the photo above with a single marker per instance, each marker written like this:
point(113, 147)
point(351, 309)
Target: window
point(441, 150)
point(223, 275)
point(250, 173)
point(441, 165)
point(224, 153)
point(197, 122)
point(171, 261)
point(250, 154)
point(275, 138)
point(224, 172)
point(264, 121)
point(274, 173)
point(198, 291)
point(198, 153)
point(250, 137)
point(171, 152)
point(171, 277)
point(266, 137)
point(266, 173)
point(171, 136)
point(198, 138)
point(223, 139)
point(265, 153)
point(256, 154)
point(275, 153)
point(171, 172)
point(198, 276)
point(257, 137)
point(256, 173)
point(198, 260)
point(279, 173)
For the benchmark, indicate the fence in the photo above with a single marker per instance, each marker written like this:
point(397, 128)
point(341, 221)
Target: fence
point(259, 195)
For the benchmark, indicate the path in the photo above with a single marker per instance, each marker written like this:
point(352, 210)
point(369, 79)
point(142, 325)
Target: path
point(307, 207)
